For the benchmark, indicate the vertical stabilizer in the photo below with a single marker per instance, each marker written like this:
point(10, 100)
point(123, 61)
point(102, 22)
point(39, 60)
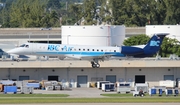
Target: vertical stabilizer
point(154, 44)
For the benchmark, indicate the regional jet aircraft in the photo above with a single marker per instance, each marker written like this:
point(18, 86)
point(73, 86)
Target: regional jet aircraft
point(92, 53)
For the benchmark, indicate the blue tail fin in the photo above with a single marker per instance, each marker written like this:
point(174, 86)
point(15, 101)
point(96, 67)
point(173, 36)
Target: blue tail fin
point(154, 44)
point(151, 48)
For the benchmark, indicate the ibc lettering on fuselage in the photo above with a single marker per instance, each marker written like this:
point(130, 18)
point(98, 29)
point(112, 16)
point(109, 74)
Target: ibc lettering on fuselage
point(53, 47)
point(154, 43)
point(57, 48)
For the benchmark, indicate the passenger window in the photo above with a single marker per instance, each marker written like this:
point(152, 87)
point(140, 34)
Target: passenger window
point(79, 49)
point(114, 50)
point(27, 46)
point(92, 49)
point(83, 49)
point(87, 49)
point(101, 50)
point(97, 50)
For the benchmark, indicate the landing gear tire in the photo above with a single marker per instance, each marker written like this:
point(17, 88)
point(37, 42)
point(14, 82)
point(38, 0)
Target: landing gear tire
point(95, 65)
point(17, 60)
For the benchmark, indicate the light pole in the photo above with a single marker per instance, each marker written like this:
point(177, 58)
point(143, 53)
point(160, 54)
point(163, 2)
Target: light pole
point(29, 33)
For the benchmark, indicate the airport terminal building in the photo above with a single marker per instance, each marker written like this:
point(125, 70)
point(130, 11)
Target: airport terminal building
point(80, 73)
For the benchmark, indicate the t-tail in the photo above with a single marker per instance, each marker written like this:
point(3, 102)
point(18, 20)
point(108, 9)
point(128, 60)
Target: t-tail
point(153, 45)
point(151, 48)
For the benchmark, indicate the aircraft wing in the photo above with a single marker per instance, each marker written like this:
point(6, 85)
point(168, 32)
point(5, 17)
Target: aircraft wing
point(73, 56)
point(86, 56)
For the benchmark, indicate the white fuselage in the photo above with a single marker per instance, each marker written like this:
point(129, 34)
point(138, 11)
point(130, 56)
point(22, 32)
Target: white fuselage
point(74, 51)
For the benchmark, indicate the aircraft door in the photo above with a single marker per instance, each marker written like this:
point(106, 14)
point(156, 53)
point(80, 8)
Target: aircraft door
point(33, 48)
point(120, 49)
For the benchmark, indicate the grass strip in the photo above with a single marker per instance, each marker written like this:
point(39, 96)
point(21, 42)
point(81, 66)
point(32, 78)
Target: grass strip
point(34, 95)
point(89, 100)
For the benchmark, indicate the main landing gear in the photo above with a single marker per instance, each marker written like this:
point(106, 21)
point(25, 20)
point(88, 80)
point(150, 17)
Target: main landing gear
point(95, 63)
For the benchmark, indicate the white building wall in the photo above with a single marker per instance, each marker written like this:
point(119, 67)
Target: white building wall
point(173, 30)
point(117, 35)
point(4, 74)
point(152, 75)
point(93, 35)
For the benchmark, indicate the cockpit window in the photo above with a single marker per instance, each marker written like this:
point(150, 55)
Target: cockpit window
point(22, 45)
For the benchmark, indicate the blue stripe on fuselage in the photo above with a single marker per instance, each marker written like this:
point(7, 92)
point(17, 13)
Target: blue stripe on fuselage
point(82, 53)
